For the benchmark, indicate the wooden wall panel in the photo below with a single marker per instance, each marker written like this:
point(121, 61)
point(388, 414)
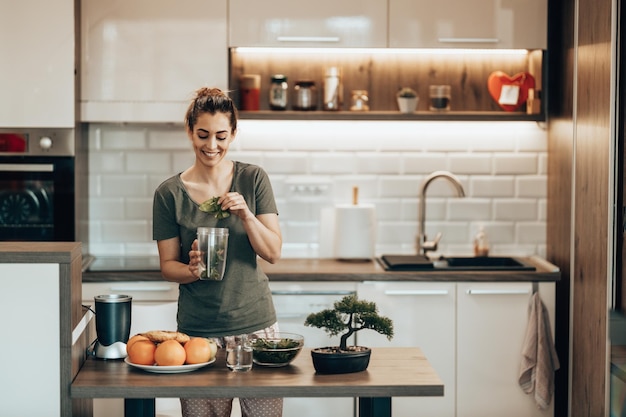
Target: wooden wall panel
point(578, 193)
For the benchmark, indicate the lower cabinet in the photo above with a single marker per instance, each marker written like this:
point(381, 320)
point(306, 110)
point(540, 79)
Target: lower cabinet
point(472, 334)
point(491, 325)
point(423, 315)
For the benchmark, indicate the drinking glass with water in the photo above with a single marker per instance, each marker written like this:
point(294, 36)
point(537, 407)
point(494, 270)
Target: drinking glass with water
point(238, 353)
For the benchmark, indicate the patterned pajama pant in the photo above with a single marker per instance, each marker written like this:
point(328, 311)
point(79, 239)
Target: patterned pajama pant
point(222, 407)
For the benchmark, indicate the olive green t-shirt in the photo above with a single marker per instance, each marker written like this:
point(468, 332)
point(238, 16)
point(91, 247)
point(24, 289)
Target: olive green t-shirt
point(241, 302)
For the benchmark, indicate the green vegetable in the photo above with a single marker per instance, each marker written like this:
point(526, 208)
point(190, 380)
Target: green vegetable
point(215, 265)
point(275, 351)
point(211, 206)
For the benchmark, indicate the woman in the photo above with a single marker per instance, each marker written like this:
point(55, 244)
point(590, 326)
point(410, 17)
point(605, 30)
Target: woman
point(241, 302)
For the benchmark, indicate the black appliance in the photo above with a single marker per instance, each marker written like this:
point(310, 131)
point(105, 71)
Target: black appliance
point(113, 316)
point(37, 185)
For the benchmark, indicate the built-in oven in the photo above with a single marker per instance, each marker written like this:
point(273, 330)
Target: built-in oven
point(37, 185)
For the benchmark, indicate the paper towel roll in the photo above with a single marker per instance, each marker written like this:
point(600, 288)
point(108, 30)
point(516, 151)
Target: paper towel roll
point(355, 231)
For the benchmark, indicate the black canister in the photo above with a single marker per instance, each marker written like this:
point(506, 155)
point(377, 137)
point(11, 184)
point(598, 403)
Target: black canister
point(113, 315)
point(305, 95)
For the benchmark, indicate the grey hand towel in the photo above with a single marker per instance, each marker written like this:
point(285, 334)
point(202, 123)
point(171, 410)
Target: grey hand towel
point(539, 358)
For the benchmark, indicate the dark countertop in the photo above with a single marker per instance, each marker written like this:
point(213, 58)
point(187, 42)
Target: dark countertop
point(306, 269)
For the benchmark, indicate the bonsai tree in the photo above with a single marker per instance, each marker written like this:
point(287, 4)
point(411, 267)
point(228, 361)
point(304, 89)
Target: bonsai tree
point(350, 315)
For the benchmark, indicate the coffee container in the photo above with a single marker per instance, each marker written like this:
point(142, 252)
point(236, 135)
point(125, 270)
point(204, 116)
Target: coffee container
point(439, 97)
point(333, 89)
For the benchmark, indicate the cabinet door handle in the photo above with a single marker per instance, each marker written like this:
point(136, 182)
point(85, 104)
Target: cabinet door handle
point(416, 292)
point(328, 39)
point(469, 40)
point(330, 292)
point(142, 289)
point(497, 292)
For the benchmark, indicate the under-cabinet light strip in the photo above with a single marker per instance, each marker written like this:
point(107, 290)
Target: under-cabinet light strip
point(379, 51)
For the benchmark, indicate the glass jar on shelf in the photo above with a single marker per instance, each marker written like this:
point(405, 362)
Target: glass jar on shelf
point(278, 92)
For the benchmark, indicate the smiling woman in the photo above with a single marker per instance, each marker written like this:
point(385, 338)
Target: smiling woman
point(233, 196)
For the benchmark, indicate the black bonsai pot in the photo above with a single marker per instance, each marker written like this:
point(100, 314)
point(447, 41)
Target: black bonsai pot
point(331, 360)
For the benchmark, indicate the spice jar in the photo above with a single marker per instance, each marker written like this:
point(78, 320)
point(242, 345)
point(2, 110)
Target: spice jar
point(359, 101)
point(250, 90)
point(278, 92)
point(305, 95)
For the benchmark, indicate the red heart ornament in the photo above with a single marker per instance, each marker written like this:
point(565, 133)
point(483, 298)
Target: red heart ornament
point(504, 89)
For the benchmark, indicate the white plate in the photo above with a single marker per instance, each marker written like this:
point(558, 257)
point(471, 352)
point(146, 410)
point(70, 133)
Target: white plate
point(170, 369)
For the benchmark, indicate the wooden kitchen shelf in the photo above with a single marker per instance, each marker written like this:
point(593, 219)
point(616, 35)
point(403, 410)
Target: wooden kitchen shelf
point(392, 115)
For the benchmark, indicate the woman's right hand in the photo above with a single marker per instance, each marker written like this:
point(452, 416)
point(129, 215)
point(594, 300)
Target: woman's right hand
point(195, 260)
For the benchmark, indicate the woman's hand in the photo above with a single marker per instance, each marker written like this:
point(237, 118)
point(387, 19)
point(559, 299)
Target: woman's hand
point(195, 258)
point(235, 204)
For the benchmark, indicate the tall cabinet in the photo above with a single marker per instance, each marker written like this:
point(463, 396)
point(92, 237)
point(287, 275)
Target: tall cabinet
point(37, 45)
point(143, 59)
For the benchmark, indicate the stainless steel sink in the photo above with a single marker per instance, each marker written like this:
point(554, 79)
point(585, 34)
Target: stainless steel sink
point(454, 263)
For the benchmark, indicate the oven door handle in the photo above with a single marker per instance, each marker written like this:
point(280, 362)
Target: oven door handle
point(27, 167)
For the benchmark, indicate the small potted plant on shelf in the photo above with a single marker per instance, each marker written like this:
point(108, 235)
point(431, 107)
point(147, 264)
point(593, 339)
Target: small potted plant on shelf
point(407, 100)
point(349, 315)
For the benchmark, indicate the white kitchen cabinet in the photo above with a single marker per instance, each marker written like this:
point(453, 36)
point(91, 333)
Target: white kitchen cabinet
point(491, 325)
point(143, 59)
point(423, 315)
point(37, 44)
point(518, 24)
point(153, 307)
point(325, 23)
point(294, 301)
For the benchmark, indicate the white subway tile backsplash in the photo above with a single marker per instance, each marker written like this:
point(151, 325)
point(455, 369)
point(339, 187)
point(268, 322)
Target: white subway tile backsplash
point(515, 163)
point(333, 163)
point(104, 162)
point(378, 163)
point(424, 163)
point(107, 208)
point(531, 232)
point(531, 186)
point(148, 162)
point(487, 186)
point(316, 164)
point(469, 209)
point(467, 163)
point(138, 208)
point(515, 209)
point(124, 185)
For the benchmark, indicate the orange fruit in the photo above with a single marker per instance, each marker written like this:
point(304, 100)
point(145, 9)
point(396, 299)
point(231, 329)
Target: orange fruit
point(134, 339)
point(142, 352)
point(169, 353)
point(198, 350)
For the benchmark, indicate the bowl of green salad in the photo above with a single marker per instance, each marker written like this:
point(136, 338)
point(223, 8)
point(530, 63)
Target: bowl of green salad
point(279, 350)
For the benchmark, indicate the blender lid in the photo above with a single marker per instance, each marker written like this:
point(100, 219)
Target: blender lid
point(112, 298)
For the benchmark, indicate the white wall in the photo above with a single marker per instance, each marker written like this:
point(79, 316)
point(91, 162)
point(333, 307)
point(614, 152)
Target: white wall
point(315, 164)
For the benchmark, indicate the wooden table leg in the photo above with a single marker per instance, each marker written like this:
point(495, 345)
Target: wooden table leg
point(139, 407)
point(375, 407)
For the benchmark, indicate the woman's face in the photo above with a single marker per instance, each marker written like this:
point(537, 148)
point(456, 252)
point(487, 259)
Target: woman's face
point(211, 137)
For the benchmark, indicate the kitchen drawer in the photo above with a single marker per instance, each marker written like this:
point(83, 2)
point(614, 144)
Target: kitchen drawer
point(140, 291)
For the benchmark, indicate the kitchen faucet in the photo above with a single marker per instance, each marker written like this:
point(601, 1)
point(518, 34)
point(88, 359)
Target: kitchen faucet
point(423, 244)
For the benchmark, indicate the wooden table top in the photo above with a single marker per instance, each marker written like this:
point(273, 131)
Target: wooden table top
point(392, 372)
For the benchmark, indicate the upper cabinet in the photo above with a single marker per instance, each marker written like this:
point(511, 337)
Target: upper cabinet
point(143, 59)
point(324, 23)
point(37, 45)
point(505, 24)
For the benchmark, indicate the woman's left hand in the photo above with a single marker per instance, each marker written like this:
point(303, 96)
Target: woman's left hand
point(235, 204)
